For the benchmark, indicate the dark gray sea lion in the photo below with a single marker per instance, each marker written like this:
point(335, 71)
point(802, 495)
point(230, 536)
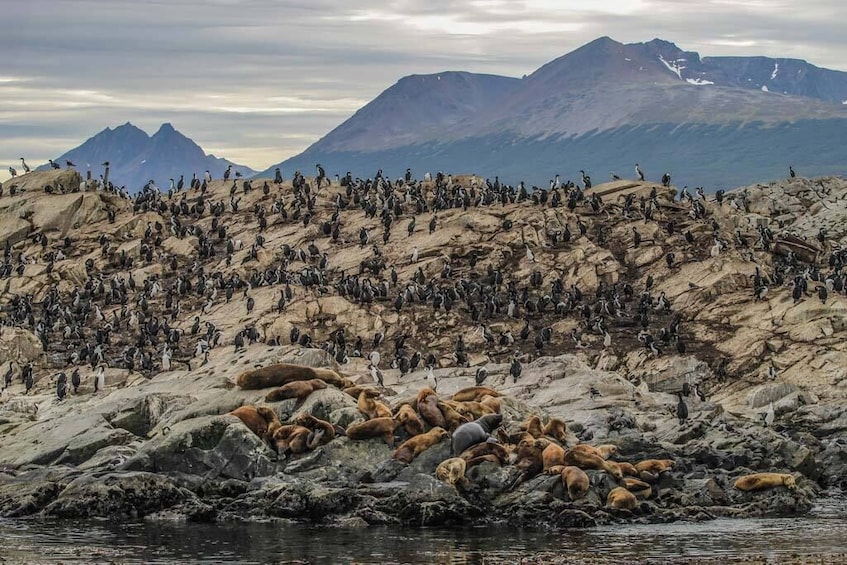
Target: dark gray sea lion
point(475, 432)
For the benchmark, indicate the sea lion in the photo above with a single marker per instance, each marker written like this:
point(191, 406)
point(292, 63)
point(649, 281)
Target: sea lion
point(295, 439)
point(528, 459)
point(370, 407)
point(259, 419)
point(413, 447)
point(410, 420)
point(601, 451)
point(762, 481)
point(474, 393)
point(553, 455)
point(587, 459)
point(621, 498)
point(533, 426)
point(284, 373)
point(654, 466)
point(576, 481)
point(452, 416)
point(492, 402)
point(484, 449)
point(297, 389)
point(556, 429)
point(451, 471)
point(376, 427)
point(356, 390)
point(473, 410)
point(427, 404)
point(307, 420)
point(638, 488)
point(475, 432)
point(628, 469)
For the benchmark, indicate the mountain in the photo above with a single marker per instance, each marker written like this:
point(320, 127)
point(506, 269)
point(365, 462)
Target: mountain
point(135, 157)
point(710, 121)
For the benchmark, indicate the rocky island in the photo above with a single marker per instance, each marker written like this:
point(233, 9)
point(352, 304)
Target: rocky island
point(317, 351)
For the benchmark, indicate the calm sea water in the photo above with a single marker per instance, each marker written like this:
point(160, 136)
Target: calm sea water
point(823, 532)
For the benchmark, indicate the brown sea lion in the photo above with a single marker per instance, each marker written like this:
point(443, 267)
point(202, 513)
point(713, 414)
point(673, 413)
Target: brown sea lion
point(297, 389)
point(451, 471)
point(452, 417)
point(413, 447)
point(295, 439)
point(588, 459)
point(556, 429)
point(486, 448)
point(492, 402)
point(553, 455)
point(654, 466)
point(356, 390)
point(260, 419)
point(307, 420)
point(474, 410)
point(621, 498)
point(576, 481)
point(533, 426)
point(410, 420)
point(427, 404)
point(628, 469)
point(638, 488)
point(374, 428)
point(474, 393)
point(762, 481)
point(284, 373)
point(370, 407)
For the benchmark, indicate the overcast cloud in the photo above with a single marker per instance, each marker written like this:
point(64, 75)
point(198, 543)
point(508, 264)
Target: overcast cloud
point(257, 81)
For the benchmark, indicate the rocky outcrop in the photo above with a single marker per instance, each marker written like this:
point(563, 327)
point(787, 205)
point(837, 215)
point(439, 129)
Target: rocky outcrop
point(168, 432)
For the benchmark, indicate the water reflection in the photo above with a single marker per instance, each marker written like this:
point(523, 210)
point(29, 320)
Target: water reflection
point(823, 532)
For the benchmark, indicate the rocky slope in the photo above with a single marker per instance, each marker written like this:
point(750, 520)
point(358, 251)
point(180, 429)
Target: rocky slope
point(614, 330)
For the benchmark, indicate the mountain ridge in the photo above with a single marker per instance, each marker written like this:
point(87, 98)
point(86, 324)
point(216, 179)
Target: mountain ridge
point(602, 87)
point(136, 158)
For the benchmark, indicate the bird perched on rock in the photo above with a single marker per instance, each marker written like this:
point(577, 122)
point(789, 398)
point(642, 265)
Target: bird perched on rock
point(593, 393)
point(681, 409)
point(515, 369)
point(481, 374)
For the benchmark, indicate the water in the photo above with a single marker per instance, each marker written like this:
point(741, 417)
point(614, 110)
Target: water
point(822, 533)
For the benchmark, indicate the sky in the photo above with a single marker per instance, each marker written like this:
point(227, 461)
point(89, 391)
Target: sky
point(258, 81)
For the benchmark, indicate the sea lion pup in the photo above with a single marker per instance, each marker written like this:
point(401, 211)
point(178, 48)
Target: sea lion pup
point(376, 427)
point(481, 452)
point(427, 403)
point(556, 429)
point(475, 432)
point(452, 417)
point(576, 481)
point(639, 488)
point(259, 419)
point(284, 373)
point(474, 393)
point(370, 407)
point(307, 420)
point(297, 389)
point(452, 471)
point(762, 481)
point(407, 416)
point(295, 439)
point(621, 498)
point(533, 426)
point(588, 459)
point(413, 447)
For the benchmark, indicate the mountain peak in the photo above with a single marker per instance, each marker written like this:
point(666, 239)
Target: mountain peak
point(166, 129)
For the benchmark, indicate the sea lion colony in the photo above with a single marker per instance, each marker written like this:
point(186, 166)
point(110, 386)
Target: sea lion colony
point(471, 420)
